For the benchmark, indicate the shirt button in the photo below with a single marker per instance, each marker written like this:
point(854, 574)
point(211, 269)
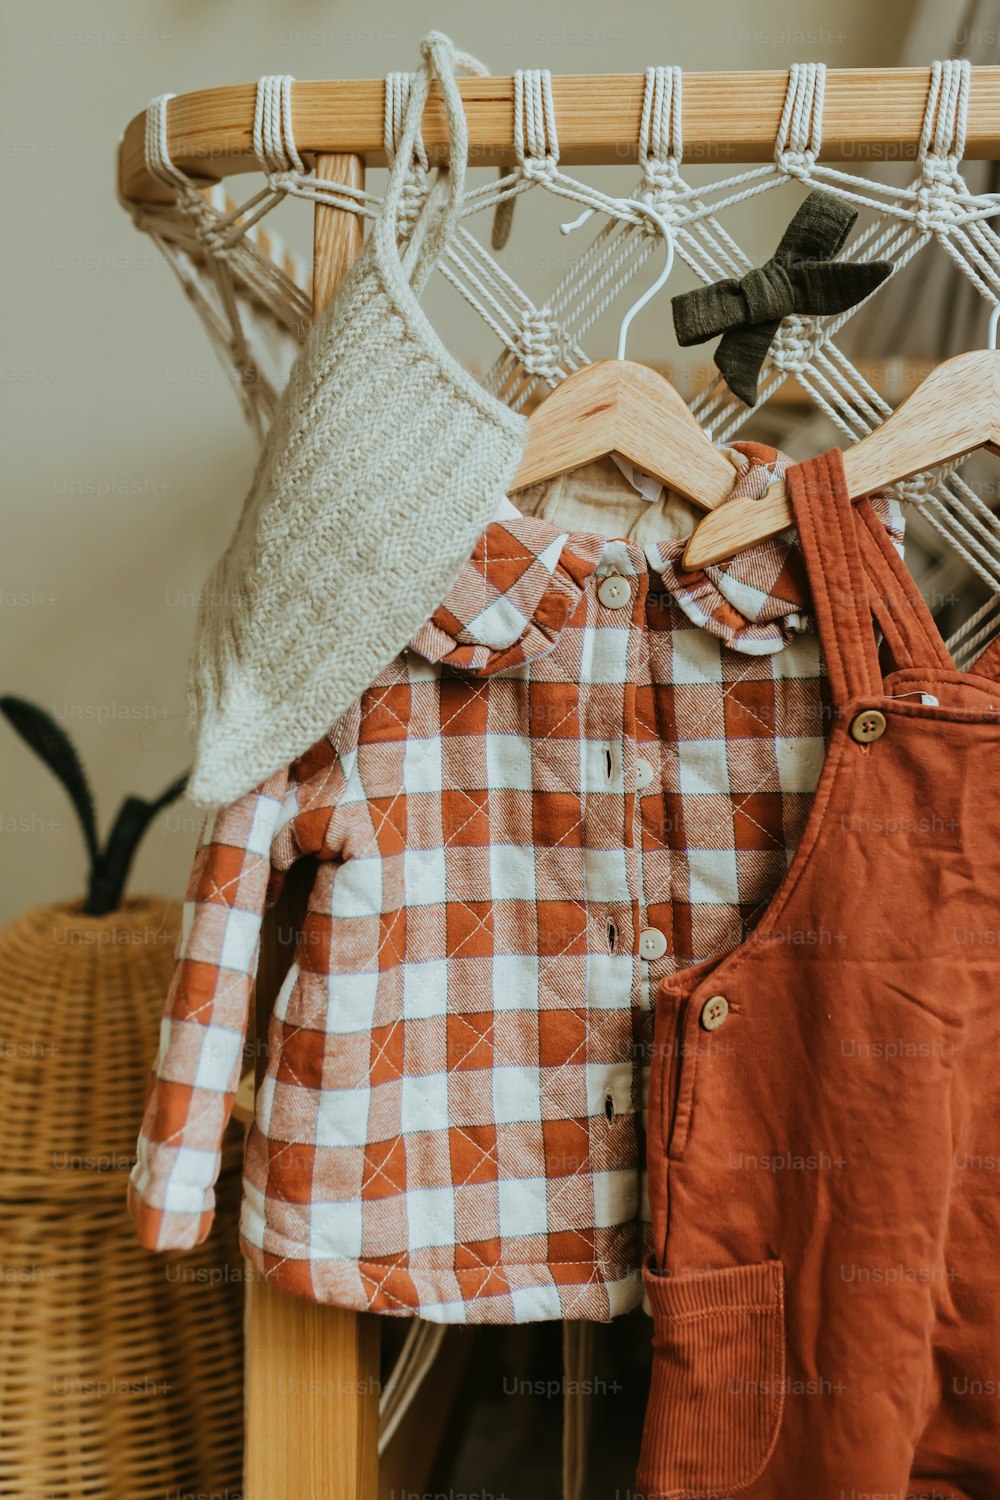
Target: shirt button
point(867, 726)
point(652, 943)
point(643, 774)
point(714, 1012)
point(614, 592)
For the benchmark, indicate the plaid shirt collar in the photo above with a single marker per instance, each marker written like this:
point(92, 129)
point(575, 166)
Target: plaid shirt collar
point(526, 576)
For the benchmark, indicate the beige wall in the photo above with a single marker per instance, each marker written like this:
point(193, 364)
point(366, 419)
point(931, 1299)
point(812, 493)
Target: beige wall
point(126, 454)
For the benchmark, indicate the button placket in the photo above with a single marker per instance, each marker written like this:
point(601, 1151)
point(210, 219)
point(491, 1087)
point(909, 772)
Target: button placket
point(653, 942)
point(606, 716)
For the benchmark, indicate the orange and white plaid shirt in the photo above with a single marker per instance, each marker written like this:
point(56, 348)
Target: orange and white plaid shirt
point(588, 770)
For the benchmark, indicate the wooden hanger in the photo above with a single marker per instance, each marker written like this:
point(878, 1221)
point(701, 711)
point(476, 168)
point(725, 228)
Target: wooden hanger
point(953, 412)
point(620, 406)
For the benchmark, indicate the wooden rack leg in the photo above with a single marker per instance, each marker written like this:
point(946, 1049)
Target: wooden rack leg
point(312, 1372)
point(311, 1399)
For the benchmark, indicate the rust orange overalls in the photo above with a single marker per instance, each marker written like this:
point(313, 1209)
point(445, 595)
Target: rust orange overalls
point(824, 1112)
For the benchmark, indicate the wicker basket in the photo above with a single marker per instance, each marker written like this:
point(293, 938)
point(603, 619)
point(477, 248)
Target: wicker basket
point(120, 1370)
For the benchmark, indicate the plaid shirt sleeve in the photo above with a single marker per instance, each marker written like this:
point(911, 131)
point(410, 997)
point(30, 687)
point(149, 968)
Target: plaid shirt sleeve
point(238, 869)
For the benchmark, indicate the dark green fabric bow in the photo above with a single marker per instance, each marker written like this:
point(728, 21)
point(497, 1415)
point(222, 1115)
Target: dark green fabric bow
point(801, 277)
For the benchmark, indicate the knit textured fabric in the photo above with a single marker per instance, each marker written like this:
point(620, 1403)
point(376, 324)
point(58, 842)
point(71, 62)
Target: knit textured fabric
point(385, 462)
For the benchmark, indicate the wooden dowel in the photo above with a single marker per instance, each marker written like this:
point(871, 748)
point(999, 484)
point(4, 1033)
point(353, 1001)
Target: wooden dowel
point(337, 233)
point(312, 1371)
point(312, 1400)
point(869, 114)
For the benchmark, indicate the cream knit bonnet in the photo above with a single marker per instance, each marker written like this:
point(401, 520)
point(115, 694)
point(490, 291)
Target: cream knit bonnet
point(385, 462)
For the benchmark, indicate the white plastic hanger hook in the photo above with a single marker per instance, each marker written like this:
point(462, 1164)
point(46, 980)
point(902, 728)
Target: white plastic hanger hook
point(991, 332)
point(664, 276)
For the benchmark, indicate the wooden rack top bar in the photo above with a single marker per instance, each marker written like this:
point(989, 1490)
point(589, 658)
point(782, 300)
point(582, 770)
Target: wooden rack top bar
point(869, 115)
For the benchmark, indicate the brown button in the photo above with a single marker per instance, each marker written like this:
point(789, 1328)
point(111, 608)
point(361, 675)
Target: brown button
point(867, 726)
point(714, 1012)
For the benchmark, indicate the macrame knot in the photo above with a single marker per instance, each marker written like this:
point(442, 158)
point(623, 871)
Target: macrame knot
point(660, 176)
point(539, 168)
point(801, 277)
point(283, 182)
point(411, 201)
point(536, 142)
point(938, 207)
point(540, 343)
point(921, 487)
point(663, 188)
point(795, 163)
point(218, 241)
point(800, 130)
point(661, 146)
point(794, 344)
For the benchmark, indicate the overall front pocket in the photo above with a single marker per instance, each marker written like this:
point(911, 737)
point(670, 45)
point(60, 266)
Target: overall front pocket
point(718, 1384)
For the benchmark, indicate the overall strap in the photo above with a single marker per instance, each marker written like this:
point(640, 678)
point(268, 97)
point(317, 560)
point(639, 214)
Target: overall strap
point(838, 579)
point(908, 625)
point(856, 573)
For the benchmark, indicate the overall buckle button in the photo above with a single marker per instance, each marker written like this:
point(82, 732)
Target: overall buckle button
point(714, 1012)
point(868, 726)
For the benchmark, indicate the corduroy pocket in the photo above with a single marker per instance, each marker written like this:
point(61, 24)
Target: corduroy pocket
point(718, 1386)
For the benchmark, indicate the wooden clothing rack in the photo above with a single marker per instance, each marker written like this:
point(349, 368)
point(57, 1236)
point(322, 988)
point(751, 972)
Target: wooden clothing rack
point(729, 118)
point(312, 1371)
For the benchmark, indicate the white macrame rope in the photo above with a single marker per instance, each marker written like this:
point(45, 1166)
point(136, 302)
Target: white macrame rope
point(544, 341)
point(415, 188)
point(397, 94)
point(536, 145)
point(966, 641)
point(968, 626)
point(758, 186)
point(273, 136)
point(946, 115)
point(158, 158)
point(800, 129)
point(661, 142)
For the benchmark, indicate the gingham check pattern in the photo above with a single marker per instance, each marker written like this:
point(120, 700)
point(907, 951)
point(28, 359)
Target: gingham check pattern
point(451, 1120)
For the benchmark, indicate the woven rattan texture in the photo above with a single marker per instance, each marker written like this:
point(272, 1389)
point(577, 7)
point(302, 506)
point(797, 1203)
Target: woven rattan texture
point(120, 1372)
